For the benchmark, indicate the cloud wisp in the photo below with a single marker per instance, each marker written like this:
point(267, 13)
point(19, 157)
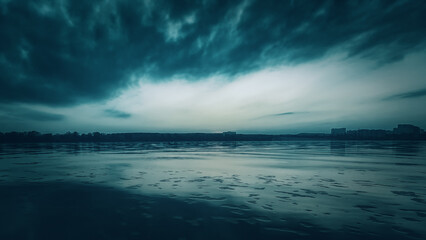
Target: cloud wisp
point(27, 113)
point(407, 95)
point(116, 114)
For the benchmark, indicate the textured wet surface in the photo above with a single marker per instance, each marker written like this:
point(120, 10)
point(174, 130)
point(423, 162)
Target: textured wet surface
point(211, 190)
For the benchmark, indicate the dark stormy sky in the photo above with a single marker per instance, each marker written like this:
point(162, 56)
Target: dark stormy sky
point(211, 66)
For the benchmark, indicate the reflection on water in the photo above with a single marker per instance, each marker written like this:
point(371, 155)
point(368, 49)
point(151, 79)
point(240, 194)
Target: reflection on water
point(338, 147)
point(211, 190)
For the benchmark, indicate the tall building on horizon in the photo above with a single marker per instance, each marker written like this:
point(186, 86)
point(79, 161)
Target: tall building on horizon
point(407, 129)
point(338, 131)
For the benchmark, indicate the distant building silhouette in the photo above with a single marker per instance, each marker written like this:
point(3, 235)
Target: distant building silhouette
point(338, 131)
point(403, 131)
point(407, 129)
point(369, 133)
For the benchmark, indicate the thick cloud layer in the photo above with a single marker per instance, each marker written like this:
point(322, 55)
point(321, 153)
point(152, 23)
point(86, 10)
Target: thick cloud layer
point(68, 52)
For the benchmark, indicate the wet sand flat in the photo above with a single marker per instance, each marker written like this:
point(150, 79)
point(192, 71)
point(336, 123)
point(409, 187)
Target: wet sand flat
point(213, 190)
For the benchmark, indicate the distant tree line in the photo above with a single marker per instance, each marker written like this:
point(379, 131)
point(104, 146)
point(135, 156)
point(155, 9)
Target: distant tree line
point(33, 136)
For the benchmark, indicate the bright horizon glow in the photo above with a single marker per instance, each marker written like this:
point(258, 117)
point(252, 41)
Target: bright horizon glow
point(286, 99)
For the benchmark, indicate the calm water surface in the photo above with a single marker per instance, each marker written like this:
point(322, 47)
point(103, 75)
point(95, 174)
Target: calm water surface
point(213, 190)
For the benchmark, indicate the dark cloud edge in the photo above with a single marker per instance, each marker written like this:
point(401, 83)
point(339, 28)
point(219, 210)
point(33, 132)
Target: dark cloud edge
point(79, 55)
point(407, 95)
